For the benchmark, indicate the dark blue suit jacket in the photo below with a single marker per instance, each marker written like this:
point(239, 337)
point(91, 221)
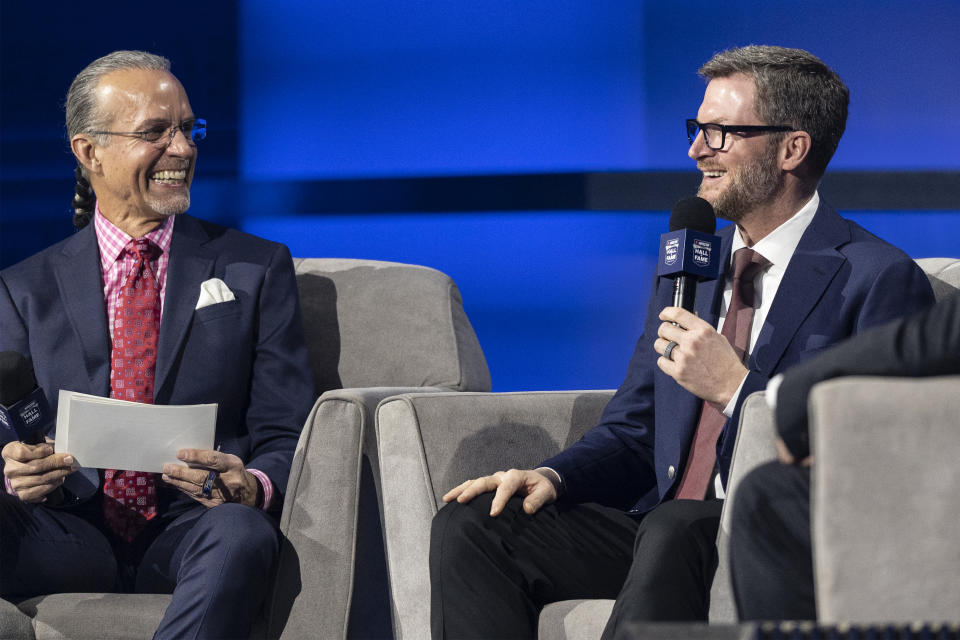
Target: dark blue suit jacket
point(840, 280)
point(247, 355)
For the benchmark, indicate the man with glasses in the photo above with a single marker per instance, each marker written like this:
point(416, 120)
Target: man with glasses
point(148, 304)
point(631, 510)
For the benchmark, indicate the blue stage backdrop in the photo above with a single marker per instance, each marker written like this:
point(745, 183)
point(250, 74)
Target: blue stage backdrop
point(468, 136)
point(557, 298)
point(380, 87)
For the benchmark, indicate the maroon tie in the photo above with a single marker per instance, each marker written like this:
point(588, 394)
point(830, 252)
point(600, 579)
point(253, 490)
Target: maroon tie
point(129, 496)
point(702, 458)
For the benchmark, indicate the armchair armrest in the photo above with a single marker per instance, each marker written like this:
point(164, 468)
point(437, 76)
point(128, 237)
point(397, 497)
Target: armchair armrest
point(885, 498)
point(755, 445)
point(322, 516)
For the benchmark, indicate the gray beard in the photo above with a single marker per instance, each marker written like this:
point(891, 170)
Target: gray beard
point(171, 207)
point(753, 186)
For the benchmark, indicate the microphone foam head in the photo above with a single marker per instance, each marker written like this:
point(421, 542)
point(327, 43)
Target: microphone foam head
point(16, 377)
point(693, 213)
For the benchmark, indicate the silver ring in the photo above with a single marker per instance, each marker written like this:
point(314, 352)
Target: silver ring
point(668, 352)
point(207, 489)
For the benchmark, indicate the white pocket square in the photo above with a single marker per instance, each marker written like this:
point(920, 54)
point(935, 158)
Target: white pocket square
point(214, 291)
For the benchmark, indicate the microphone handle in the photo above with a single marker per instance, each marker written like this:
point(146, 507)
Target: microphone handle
point(685, 292)
point(35, 437)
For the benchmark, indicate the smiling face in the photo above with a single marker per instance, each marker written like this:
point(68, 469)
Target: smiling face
point(139, 182)
point(745, 173)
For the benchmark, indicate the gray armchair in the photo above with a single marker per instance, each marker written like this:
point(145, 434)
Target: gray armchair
point(430, 443)
point(374, 329)
point(422, 456)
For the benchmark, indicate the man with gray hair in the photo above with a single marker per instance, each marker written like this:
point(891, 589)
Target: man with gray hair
point(148, 304)
point(631, 510)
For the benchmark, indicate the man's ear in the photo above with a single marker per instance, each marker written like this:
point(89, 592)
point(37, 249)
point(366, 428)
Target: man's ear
point(794, 150)
point(86, 152)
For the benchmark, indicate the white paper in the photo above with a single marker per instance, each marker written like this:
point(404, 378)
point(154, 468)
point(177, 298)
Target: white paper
point(104, 433)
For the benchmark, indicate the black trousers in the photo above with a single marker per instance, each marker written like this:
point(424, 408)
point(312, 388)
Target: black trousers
point(771, 558)
point(490, 577)
point(674, 561)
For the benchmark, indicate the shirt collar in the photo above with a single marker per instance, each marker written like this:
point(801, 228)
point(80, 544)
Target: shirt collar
point(778, 245)
point(112, 240)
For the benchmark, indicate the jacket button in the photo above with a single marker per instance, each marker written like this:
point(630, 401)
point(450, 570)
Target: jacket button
point(671, 471)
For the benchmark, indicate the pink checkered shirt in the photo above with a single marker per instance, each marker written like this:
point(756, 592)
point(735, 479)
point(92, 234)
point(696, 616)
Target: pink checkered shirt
point(115, 266)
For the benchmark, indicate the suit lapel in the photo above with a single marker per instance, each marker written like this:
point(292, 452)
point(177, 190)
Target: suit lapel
point(80, 283)
point(813, 265)
point(190, 265)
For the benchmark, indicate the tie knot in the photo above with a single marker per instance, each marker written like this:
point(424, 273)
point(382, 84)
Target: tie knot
point(747, 263)
point(142, 248)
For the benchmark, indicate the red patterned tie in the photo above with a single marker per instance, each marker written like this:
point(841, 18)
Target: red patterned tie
point(129, 496)
point(702, 458)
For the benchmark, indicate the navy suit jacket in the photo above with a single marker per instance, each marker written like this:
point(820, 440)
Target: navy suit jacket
point(840, 280)
point(247, 355)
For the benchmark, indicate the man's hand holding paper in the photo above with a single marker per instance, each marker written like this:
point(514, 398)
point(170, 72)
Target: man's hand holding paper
point(232, 482)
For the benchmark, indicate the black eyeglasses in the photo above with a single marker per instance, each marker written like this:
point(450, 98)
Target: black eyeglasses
point(162, 135)
point(715, 135)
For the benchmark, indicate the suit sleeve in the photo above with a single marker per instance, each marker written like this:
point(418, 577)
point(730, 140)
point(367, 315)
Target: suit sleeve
point(926, 343)
point(281, 390)
point(13, 333)
point(13, 337)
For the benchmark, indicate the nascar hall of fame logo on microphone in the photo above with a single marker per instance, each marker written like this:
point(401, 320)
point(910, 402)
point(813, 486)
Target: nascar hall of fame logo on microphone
point(702, 252)
point(671, 250)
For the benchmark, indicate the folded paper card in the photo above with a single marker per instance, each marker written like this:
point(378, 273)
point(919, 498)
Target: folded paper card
point(105, 433)
point(214, 291)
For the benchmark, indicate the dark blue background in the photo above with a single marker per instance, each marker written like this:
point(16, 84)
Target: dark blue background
point(335, 125)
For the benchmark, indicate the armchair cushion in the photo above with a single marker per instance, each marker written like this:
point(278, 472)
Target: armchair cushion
point(574, 619)
point(95, 616)
point(14, 623)
point(585, 620)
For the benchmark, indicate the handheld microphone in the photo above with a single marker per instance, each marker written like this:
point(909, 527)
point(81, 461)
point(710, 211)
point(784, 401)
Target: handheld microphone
point(689, 252)
point(24, 410)
point(25, 415)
